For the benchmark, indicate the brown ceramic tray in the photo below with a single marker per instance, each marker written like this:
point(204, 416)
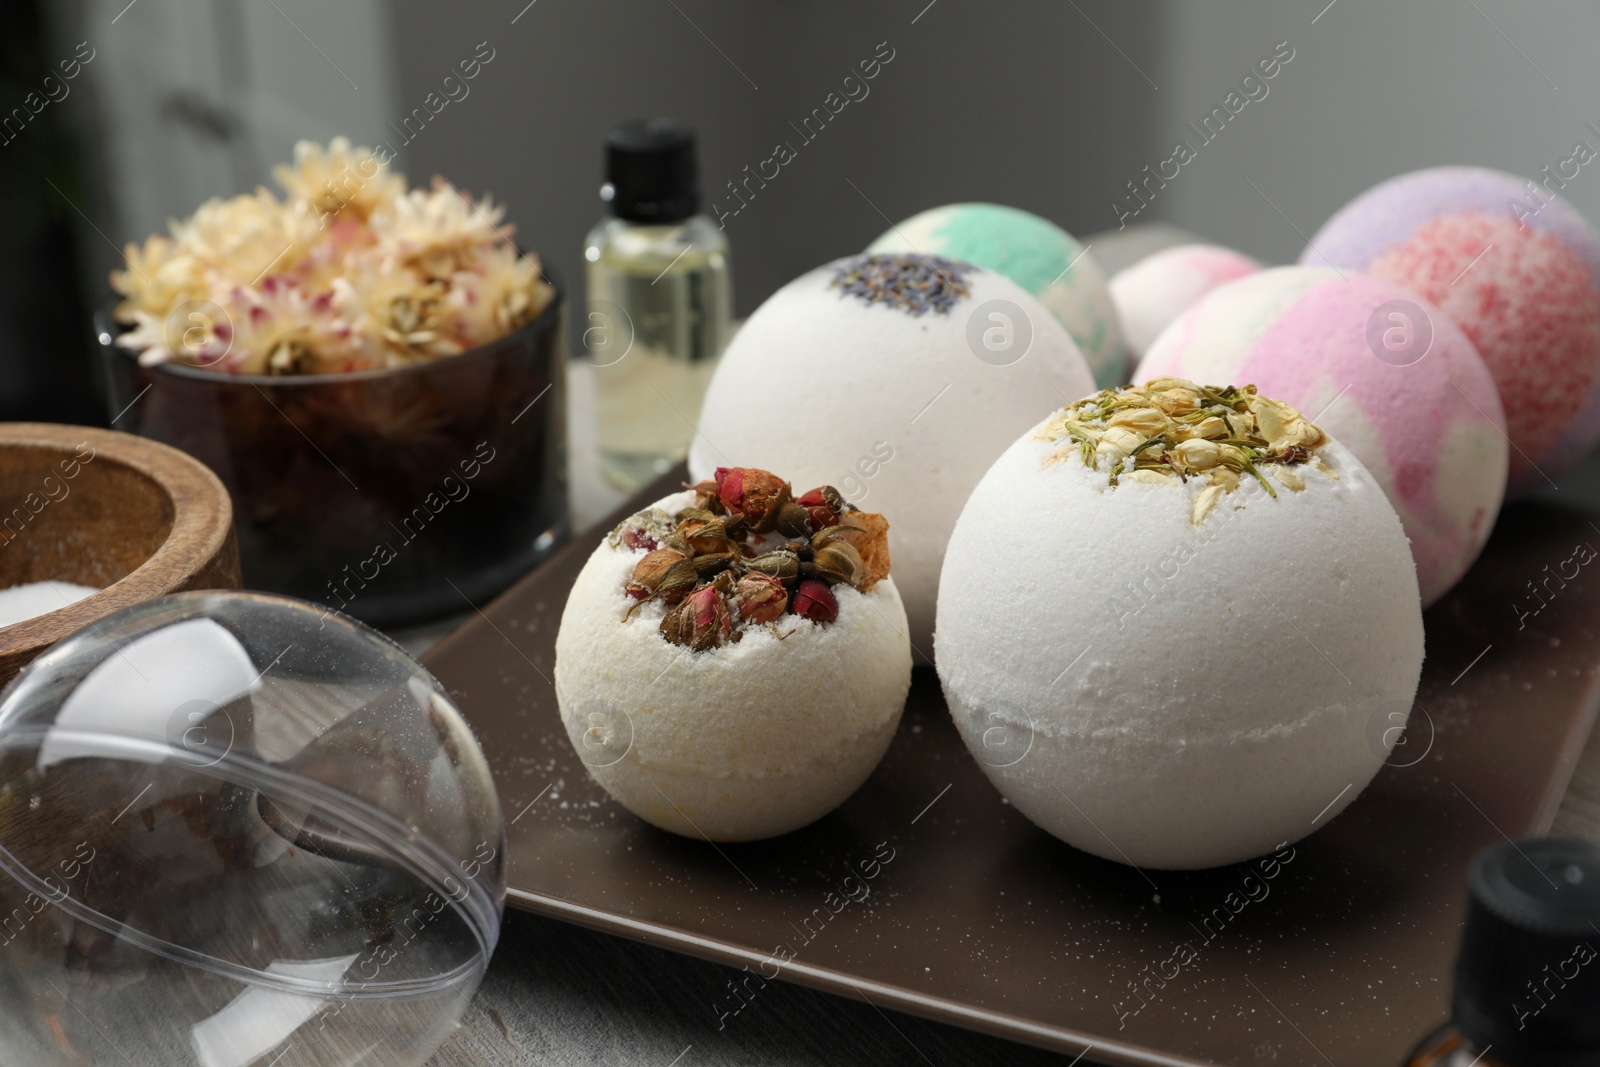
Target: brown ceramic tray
point(981, 920)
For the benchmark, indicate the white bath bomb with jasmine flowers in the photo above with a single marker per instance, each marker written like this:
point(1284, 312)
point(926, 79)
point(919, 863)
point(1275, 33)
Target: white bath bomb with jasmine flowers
point(897, 378)
point(734, 743)
point(1178, 673)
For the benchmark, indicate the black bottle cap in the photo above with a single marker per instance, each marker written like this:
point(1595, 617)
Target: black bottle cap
point(1527, 981)
point(650, 171)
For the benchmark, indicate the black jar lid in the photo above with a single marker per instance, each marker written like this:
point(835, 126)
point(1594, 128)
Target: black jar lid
point(650, 171)
point(1527, 980)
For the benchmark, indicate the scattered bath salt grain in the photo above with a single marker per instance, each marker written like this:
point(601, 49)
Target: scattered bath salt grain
point(32, 599)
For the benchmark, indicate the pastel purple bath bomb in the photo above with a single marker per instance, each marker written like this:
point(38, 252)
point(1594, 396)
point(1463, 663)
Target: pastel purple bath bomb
point(1518, 269)
point(1380, 369)
point(1153, 292)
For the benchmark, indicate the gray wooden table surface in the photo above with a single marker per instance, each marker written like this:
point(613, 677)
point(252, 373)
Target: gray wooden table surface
point(557, 994)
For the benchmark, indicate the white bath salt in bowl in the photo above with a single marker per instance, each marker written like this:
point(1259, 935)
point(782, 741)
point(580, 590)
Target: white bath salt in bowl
point(1174, 623)
point(29, 600)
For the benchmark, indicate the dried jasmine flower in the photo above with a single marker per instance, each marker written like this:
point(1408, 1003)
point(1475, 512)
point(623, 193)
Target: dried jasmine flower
point(1170, 430)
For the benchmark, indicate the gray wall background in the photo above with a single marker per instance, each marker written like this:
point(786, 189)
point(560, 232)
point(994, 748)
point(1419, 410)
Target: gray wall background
point(1376, 88)
point(1025, 104)
point(1052, 106)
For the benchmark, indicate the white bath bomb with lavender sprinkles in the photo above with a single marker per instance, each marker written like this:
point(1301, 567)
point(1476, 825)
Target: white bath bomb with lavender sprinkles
point(1173, 625)
point(1036, 254)
point(1163, 285)
point(898, 379)
point(731, 663)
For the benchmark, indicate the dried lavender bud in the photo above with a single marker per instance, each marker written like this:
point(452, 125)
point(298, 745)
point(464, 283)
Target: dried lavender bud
point(814, 601)
point(907, 282)
point(759, 598)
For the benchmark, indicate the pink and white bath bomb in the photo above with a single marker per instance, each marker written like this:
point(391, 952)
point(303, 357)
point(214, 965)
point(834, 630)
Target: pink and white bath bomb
point(1163, 285)
point(1167, 694)
point(1382, 370)
point(897, 378)
point(1518, 268)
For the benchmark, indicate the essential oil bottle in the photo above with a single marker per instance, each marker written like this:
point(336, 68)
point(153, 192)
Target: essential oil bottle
point(1527, 978)
point(659, 301)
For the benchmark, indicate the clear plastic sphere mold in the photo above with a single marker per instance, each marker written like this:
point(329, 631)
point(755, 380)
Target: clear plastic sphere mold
point(237, 831)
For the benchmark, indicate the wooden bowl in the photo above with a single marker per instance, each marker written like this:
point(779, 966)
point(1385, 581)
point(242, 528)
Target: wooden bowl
point(94, 507)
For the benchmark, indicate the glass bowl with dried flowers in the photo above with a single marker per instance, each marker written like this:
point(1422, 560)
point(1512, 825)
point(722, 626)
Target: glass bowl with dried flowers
point(375, 372)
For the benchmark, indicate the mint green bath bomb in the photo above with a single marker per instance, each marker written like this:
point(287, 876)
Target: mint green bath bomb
point(1036, 254)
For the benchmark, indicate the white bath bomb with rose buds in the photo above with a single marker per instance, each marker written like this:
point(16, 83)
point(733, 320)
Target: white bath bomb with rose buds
point(898, 379)
point(744, 741)
point(1178, 672)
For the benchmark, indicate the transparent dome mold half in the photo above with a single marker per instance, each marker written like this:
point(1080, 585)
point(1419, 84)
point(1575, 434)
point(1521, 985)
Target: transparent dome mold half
point(232, 814)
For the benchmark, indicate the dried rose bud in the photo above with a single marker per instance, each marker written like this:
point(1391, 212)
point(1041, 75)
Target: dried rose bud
point(822, 496)
point(794, 521)
point(665, 573)
point(837, 561)
point(868, 533)
point(701, 622)
point(824, 505)
point(782, 565)
point(704, 532)
point(705, 495)
point(815, 601)
point(707, 565)
point(643, 529)
point(756, 494)
point(636, 537)
point(760, 598)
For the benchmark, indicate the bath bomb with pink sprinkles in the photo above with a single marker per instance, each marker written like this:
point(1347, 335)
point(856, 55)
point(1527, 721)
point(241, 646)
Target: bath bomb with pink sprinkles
point(1518, 269)
point(1385, 373)
point(1163, 285)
